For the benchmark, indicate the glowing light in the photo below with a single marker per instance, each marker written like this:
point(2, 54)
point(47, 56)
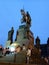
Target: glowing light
point(12, 49)
point(13, 46)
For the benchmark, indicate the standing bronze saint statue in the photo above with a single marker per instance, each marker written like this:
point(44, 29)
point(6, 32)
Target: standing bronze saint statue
point(10, 35)
point(37, 42)
point(26, 17)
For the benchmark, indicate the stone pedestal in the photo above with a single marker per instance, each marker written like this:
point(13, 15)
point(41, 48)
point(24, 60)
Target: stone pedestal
point(22, 35)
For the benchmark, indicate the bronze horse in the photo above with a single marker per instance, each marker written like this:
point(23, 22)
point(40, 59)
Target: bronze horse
point(26, 17)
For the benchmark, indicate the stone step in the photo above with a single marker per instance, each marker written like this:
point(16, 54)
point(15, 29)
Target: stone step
point(3, 63)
